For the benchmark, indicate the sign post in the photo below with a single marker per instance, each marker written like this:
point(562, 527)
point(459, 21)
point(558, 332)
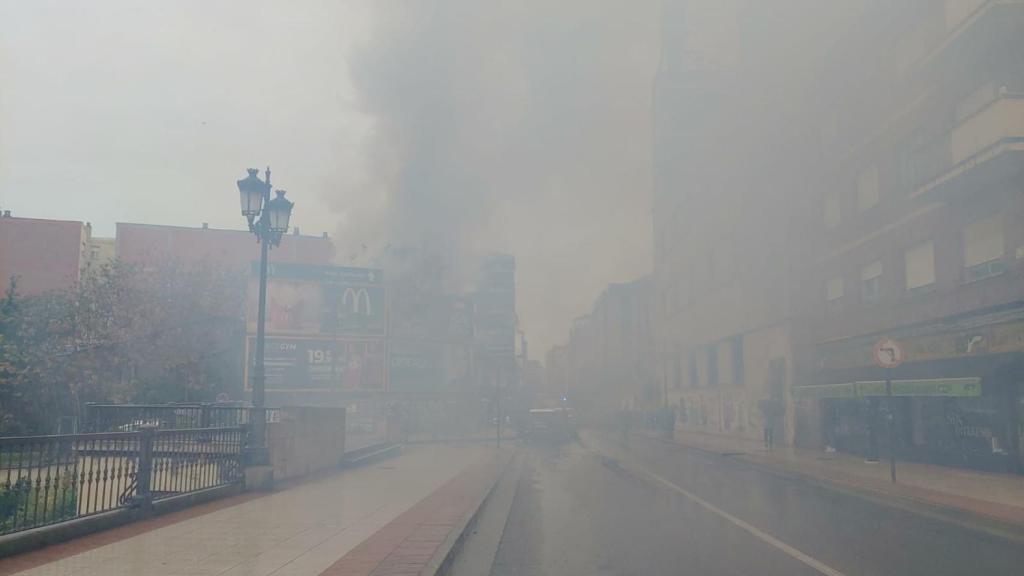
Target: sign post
point(889, 354)
point(497, 402)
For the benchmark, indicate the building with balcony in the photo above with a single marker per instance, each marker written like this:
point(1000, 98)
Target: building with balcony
point(918, 235)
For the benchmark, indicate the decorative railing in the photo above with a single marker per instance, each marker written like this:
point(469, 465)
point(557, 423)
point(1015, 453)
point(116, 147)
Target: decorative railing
point(130, 417)
point(50, 479)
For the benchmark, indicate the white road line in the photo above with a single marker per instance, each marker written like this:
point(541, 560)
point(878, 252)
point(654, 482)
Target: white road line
point(753, 530)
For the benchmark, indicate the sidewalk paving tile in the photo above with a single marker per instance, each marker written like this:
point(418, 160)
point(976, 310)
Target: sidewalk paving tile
point(299, 531)
point(999, 496)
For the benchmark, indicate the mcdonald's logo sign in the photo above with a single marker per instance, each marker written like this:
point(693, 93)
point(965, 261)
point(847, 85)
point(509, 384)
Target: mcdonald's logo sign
point(356, 301)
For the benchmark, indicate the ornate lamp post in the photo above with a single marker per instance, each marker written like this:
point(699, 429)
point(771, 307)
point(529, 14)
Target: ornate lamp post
point(268, 220)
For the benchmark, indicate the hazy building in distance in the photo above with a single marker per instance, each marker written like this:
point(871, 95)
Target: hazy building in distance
point(614, 351)
point(730, 139)
point(151, 244)
point(556, 373)
point(42, 254)
point(101, 252)
point(495, 312)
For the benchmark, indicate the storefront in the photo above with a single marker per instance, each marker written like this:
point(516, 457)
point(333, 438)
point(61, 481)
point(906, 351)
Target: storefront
point(957, 401)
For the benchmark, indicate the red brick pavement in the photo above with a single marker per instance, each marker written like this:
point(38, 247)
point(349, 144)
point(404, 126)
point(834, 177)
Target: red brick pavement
point(405, 545)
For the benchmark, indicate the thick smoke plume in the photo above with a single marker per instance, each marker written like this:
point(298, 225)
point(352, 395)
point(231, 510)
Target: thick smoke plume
point(521, 127)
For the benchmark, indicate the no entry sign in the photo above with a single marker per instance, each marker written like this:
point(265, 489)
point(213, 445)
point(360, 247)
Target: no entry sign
point(888, 353)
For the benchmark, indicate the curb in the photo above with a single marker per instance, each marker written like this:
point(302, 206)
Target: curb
point(440, 563)
point(368, 454)
point(930, 509)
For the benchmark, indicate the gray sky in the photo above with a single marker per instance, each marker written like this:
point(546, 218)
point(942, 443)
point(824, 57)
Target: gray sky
point(460, 126)
point(121, 110)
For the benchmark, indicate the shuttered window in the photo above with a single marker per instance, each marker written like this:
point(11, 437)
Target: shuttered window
point(834, 288)
point(983, 241)
point(867, 188)
point(920, 265)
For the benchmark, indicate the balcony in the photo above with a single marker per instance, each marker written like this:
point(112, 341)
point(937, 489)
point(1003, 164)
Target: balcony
point(984, 148)
point(971, 29)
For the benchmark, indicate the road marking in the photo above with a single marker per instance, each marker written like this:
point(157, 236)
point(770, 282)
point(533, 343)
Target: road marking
point(753, 530)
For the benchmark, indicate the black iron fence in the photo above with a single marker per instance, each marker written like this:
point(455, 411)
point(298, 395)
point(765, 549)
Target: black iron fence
point(184, 461)
point(50, 479)
point(130, 417)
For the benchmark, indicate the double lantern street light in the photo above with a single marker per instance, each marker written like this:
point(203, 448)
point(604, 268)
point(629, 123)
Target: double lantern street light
point(268, 220)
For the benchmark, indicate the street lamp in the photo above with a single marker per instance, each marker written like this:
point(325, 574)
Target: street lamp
point(268, 220)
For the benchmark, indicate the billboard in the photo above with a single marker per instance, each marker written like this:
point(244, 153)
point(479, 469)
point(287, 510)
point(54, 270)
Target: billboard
point(325, 328)
point(315, 364)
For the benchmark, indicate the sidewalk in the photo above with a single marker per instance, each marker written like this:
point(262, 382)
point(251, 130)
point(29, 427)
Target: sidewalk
point(386, 518)
point(998, 497)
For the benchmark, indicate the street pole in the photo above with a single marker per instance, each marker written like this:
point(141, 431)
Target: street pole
point(268, 220)
point(259, 415)
point(497, 401)
point(890, 418)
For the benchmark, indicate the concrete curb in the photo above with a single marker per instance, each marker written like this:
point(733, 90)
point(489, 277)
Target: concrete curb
point(440, 563)
point(934, 510)
point(368, 454)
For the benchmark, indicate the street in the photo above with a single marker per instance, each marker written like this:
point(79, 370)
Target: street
point(665, 509)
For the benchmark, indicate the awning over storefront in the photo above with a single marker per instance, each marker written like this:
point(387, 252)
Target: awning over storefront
point(825, 391)
point(926, 387)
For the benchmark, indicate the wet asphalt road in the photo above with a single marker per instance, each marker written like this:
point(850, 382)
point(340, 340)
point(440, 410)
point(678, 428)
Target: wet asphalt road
point(578, 512)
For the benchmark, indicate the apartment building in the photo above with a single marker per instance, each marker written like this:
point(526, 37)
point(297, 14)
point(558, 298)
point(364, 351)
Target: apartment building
point(918, 231)
point(42, 254)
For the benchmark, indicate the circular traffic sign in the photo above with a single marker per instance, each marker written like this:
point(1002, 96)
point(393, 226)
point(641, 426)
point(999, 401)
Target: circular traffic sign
point(888, 353)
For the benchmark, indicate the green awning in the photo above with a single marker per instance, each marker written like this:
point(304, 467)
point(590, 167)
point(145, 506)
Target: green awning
point(957, 387)
point(826, 391)
point(937, 387)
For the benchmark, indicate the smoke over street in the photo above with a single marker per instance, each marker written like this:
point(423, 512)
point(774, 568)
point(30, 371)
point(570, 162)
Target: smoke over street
point(514, 127)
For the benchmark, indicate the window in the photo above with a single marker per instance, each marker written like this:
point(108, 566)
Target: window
point(867, 188)
point(832, 214)
point(834, 289)
point(694, 374)
point(736, 356)
point(871, 282)
point(712, 364)
point(920, 266)
point(983, 249)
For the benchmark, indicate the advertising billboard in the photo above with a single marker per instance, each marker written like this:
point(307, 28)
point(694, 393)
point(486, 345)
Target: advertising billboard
point(325, 328)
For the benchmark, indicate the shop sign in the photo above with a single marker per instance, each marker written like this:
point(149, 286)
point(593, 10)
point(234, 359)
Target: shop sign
point(961, 387)
point(948, 387)
point(825, 391)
